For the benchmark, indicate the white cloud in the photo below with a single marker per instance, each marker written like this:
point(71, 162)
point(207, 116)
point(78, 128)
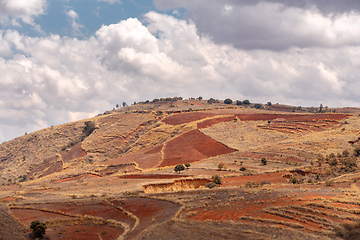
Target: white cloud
point(50, 80)
point(26, 10)
point(271, 24)
point(73, 17)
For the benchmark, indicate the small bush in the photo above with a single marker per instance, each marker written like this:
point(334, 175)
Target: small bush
point(252, 185)
point(187, 165)
point(264, 161)
point(211, 185)
point(38, 229)
point(242, 169)
point(221, 165)
point(216, 179)
point(348, 231)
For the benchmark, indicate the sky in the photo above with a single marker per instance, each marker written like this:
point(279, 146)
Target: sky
point(65, 60)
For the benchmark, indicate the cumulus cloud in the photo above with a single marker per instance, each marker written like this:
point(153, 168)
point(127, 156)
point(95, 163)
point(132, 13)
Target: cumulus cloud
point(26, 10)
point(274, 24)
point(51, 79)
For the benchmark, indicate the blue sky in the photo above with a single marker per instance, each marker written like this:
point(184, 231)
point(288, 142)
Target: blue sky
point(65, 60)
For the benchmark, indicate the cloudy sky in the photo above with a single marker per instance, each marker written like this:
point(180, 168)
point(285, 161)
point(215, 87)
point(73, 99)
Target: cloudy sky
point(64, 60)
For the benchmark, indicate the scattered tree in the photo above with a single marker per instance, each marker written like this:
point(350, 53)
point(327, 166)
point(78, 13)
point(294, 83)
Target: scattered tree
point(258, 106)
point(263, 161)
point(216, 179)
point(38, 229)
point(239, 102)
point(211, 101)
point(221, 165)
point(124, 104)
point(179, 168)
point(228, 101)
point(246, 102)
point(187, 165)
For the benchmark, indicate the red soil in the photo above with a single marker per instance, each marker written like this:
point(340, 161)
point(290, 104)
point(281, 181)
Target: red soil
point(7, 199)
point(84, 232)
point(152, 176)
point(84, 176)
point(111, 169)
point(181, 118)
point(145, 158)
point(26, 216)
point(51, 165)
point(242, 180)
point(210, 122)
point(149, 212)
point(72, 153)
point(191, 147)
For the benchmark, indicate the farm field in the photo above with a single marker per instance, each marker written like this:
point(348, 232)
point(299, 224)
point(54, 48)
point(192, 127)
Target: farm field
point(246, 173)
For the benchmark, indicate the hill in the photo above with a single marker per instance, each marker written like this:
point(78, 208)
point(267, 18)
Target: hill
point(284, 171)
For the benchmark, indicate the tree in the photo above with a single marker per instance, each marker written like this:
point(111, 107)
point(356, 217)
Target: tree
point(221, 165)
point(200, 98)
point(264, 161)
point(125, 104)
point(228, 101)
point(179, 168)
point(117, 106)
point(246, 102)
point(211, 100)
point(257, 106)
point(38, 229)
point(187, 165)
point(216, 179)
point(321, 108)
point(239, 102)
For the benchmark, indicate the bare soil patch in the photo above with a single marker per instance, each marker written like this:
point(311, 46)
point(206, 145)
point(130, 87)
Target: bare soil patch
point(182, 118)
point(210, 122)
point(145, 158)
point(191, 147)
point(152, 176)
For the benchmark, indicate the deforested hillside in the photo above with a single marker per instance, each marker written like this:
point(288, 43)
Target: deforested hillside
point(276, 170)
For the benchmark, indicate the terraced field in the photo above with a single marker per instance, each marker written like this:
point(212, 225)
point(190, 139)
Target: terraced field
point(119, 182)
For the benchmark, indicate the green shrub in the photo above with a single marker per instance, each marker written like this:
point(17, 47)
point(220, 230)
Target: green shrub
point(348, 231)
point(263, 161)
point(211, 185)
point(216, 179)
point(38, 229)
point(242, 169)
point(179, 168)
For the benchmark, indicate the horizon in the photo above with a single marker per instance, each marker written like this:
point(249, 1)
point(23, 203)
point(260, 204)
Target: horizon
point(63, 61)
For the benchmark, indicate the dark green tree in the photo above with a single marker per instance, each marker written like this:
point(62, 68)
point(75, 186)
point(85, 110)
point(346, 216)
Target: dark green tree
point(38, 229)
point(187, 165)
point(263, 161)
point(228, 101)
point(246, 102)
point(179, 168)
